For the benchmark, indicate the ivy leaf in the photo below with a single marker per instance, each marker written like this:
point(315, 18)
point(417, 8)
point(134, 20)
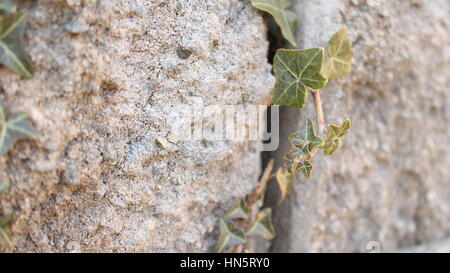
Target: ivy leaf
point(4, 185)
point(263, 225)
point(6, 6)
point(5, 230)
point(284, 180)
point(306, 169)
point(295, 71)
point(238, 211)
point(260, 199)
point(292, 163)
point(286, 19)
point(12, 129)
point(229, 237)
point(306, 140)
point(340, 54)
point(12, 29)
point(334, 135)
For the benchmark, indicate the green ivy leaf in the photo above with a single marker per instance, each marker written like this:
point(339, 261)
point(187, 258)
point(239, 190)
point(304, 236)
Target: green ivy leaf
point(229, 237)
point(5, 230)
point(12, 29)
point(305, 140)
point(6, 6)
point(334, 135)
point(292, 163)
point(12, 129)
point(238, 211)
point(263, 225)
point(4, 185)
point(306, 169)
point(295, 71)
point(284, 180)
point(340, 54)
point(286, 19)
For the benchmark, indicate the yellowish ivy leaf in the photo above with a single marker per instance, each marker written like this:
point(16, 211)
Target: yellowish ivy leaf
point(334, 135)
point(286, 19)
point(340, 54)
point(263, 225)
point(4, 185)
point(306, 168)
point(12, 129)
point(305, 140)
point(12, 55)
point(229, 236)
point(295, 71)
point(284, 180)
point(5, 230)
point(238, 211)
point(297, 163)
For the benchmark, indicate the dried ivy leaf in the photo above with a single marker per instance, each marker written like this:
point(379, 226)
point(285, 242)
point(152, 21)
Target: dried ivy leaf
point(263, 225)
point(334, 135)
point(305, 140)
point(340, 54)
point(229, 237)
point(306, 169)
point(12, 55)
point(12, 129)
point(238, 211)
point(284, 180)
point(295, 71)
point(286, 19)
point(4, 185)
point(6, 6)
point(5, 230)
point(260, 199)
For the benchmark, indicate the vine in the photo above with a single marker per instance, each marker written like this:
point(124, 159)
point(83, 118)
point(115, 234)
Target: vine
point(13, 126)
point(297, 72)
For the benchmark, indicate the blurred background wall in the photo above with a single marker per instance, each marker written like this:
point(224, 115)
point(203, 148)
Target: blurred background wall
point(390, 183)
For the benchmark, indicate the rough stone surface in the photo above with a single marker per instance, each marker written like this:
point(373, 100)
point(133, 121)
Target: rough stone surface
point(390, 181)
point(108, 78)
point(442, 246)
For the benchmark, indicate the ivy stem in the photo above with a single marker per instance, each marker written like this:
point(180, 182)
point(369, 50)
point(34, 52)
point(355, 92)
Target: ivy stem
point(267, 175)
point(319, 110)
point(251, 200)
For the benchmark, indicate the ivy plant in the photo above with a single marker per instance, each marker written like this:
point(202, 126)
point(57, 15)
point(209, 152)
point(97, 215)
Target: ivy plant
point(12, 30)
point(340, 54)
point(6, 6)
point(335, 133)
point(263, 225)
point(286, 19)
point(306, 142)
point(229, 236)
point(247, 218)
point(5, 230)
point(4, 185)
point(12, 128)
point(297, 72)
